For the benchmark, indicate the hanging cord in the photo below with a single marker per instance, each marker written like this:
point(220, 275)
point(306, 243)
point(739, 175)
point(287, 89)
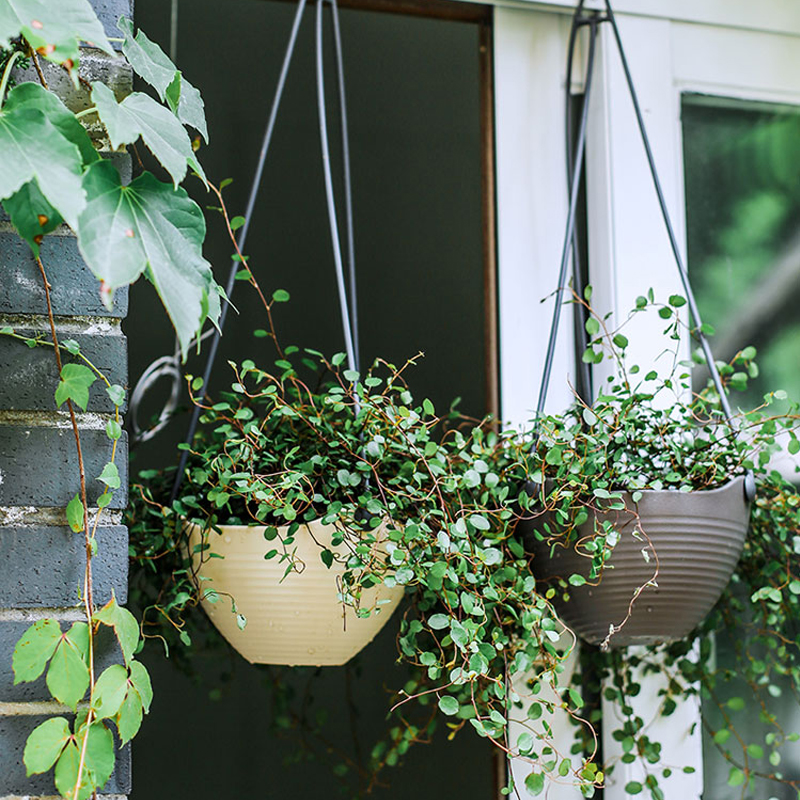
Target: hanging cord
point(593, 22)
point(693, 309)
point(583, 383)
point(241, 238)
point(749, 477)
point(173, 32)
point(347, 326)
point(580, 150)
point(348, 192)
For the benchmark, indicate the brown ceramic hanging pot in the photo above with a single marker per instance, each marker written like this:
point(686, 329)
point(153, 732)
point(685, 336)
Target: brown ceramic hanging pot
point(693, 540)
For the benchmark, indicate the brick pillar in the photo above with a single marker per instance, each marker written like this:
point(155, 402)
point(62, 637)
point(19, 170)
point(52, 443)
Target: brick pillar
point(41, 559)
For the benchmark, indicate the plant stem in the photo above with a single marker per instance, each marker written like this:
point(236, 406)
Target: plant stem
point(38, 66)
point(86, 112)
point(87, 593)
point(7, 74)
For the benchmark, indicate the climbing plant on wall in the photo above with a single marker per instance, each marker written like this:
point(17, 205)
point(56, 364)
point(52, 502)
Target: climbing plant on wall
point(51, 174)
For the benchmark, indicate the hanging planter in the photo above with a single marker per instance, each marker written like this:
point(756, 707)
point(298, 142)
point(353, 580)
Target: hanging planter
point(675, 553)
point(637, 506)
point(295, 618)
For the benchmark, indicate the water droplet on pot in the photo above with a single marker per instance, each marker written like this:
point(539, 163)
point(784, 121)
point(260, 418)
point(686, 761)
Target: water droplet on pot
point(227, 540)
point(649, 609)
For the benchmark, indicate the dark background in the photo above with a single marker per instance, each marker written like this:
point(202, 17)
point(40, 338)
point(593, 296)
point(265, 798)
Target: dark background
point(414, 110)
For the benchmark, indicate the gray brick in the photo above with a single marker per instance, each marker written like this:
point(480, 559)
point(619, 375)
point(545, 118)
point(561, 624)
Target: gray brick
point(39, 466)
point(75, 290)
point(14, 732)
point(106, 652)
point(109, 12)
point(30, 374)
point(43, 566)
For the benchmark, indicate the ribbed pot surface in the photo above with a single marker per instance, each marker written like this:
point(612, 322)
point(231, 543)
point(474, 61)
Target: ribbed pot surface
point(695, 540)
point(297, 620)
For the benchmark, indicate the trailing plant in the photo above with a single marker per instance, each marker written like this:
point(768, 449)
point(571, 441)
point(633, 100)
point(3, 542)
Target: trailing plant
point(649, 431)
point(353, 450)
point(51, 174)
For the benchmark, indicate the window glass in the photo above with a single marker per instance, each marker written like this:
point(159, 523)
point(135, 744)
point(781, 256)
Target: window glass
point(742, 164)
point(742, 173)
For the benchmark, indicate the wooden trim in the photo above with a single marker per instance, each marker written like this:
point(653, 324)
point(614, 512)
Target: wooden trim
point(453, 10)
point(438, 9)
point(488, 195)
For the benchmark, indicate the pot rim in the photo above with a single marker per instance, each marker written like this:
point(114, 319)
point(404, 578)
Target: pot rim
point(316, 523)
point(644, 492)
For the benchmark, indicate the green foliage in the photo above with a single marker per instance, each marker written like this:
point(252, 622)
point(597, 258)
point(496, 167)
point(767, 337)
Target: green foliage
point(149, 227)
point(49, 170)
point(652, 432)
point(76, 379)
point(33, 148)
point(139, 115)
point(50, 174)
point(278, 450)
point(53, 30)
point(151, 63)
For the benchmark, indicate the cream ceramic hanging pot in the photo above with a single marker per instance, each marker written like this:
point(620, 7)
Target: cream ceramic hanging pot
point(294, 620)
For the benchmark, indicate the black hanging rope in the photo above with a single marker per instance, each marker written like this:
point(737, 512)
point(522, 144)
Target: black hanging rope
point(580, 150)
point(583, 383)
point(349, 321)
point(574, 168)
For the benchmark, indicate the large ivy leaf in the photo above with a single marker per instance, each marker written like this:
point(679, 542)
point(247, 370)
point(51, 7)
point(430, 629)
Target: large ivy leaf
point(124, 624)
point(150, 226)
point(53, 29)
point(139, 115)
point(68, 675)
point(31, 213)
point(34, 149)
point(74, 385)
point(33, 95)
point(34, 650)
point(45, 744)
point(110, 691)
point(152, 63)
point(129, 719)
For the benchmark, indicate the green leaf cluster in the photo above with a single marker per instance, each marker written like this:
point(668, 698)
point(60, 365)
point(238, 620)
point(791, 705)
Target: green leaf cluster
point(50, 172)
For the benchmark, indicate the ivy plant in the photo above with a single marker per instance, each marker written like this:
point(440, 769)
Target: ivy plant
point(52, 175)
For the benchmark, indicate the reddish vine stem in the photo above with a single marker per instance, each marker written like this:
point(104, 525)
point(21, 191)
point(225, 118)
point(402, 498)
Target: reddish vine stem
point(87, 593)
point(38, 67)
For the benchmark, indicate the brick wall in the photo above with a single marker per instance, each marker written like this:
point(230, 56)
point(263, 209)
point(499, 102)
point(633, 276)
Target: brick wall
point(41, 559)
